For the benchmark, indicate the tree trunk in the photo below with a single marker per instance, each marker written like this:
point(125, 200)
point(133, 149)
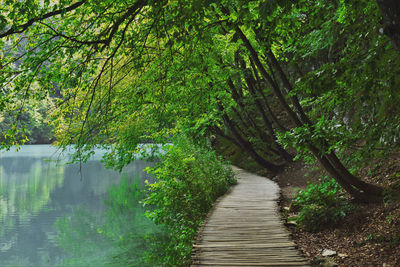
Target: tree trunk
point(221, 133)
point(369, 189)
point(289, 87)
point(268, 78)
point(330, 162)
point(270, 151)
point(239, 100)
point(246, 146)
point(284, 154)
point(333, 159)
point(258, 87)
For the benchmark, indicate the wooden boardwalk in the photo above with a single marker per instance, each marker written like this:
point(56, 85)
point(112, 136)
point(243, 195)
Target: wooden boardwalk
point(244, 228)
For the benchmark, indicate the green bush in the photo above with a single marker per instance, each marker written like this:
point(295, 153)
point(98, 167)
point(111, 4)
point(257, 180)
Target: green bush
point(189, 179)
point(320, 205)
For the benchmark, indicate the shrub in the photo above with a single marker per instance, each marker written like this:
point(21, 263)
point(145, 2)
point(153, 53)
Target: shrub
point(320, 205)
point(188, 180)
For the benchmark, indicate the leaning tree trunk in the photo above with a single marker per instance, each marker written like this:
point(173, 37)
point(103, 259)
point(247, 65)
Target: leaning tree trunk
point(259, 87)
point(332, 158)
point(284, 154)
point(238, 98)
point(247, 146)
point(330, 162)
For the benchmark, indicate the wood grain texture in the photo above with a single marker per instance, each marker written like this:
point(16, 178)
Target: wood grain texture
point(244, 228)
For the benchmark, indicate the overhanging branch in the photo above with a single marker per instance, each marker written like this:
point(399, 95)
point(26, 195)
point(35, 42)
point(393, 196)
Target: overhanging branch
point(23, 27)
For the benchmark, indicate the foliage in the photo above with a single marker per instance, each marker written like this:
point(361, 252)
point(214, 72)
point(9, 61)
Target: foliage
point(31, 124)
point(137, 71)
point(142, 70)
point(320, 205)
point(188, 180)
point(322, 133)
point(346, 74)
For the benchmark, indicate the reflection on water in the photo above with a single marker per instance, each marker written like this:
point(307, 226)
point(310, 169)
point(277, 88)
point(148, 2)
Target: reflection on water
point(35, 193)
point(120, 238)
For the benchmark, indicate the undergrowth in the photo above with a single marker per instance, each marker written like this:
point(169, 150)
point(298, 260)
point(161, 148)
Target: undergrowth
point(188, 180)
point(320, 205)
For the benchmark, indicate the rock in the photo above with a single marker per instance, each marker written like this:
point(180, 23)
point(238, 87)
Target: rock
point(328, 253)
point(290, 223)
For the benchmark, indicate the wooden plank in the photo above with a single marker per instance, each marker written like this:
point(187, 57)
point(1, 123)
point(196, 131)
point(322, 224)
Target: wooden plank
point(244, 228)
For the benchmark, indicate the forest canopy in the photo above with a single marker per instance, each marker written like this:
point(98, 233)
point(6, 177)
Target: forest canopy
point(278, 79)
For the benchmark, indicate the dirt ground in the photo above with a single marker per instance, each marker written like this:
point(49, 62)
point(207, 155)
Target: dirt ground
point(368, 236)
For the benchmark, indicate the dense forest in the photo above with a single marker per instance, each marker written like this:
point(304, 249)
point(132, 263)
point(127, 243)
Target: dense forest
point(278, 80)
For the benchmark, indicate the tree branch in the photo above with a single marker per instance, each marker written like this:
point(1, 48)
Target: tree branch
point(23, 27)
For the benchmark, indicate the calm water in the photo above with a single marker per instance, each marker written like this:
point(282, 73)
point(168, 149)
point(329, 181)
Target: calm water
point(36, 192)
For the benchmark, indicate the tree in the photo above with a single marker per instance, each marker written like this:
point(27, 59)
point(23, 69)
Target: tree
point(259, 73)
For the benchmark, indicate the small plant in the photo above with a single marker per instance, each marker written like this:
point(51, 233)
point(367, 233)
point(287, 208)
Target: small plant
point(391, 219)
point(320, 205)
point(392, 193)
point(376, 238)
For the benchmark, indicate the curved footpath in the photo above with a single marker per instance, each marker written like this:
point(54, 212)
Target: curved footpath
point(244, 228)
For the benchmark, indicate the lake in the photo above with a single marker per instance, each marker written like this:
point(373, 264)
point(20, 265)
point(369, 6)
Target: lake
point(53, 213)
